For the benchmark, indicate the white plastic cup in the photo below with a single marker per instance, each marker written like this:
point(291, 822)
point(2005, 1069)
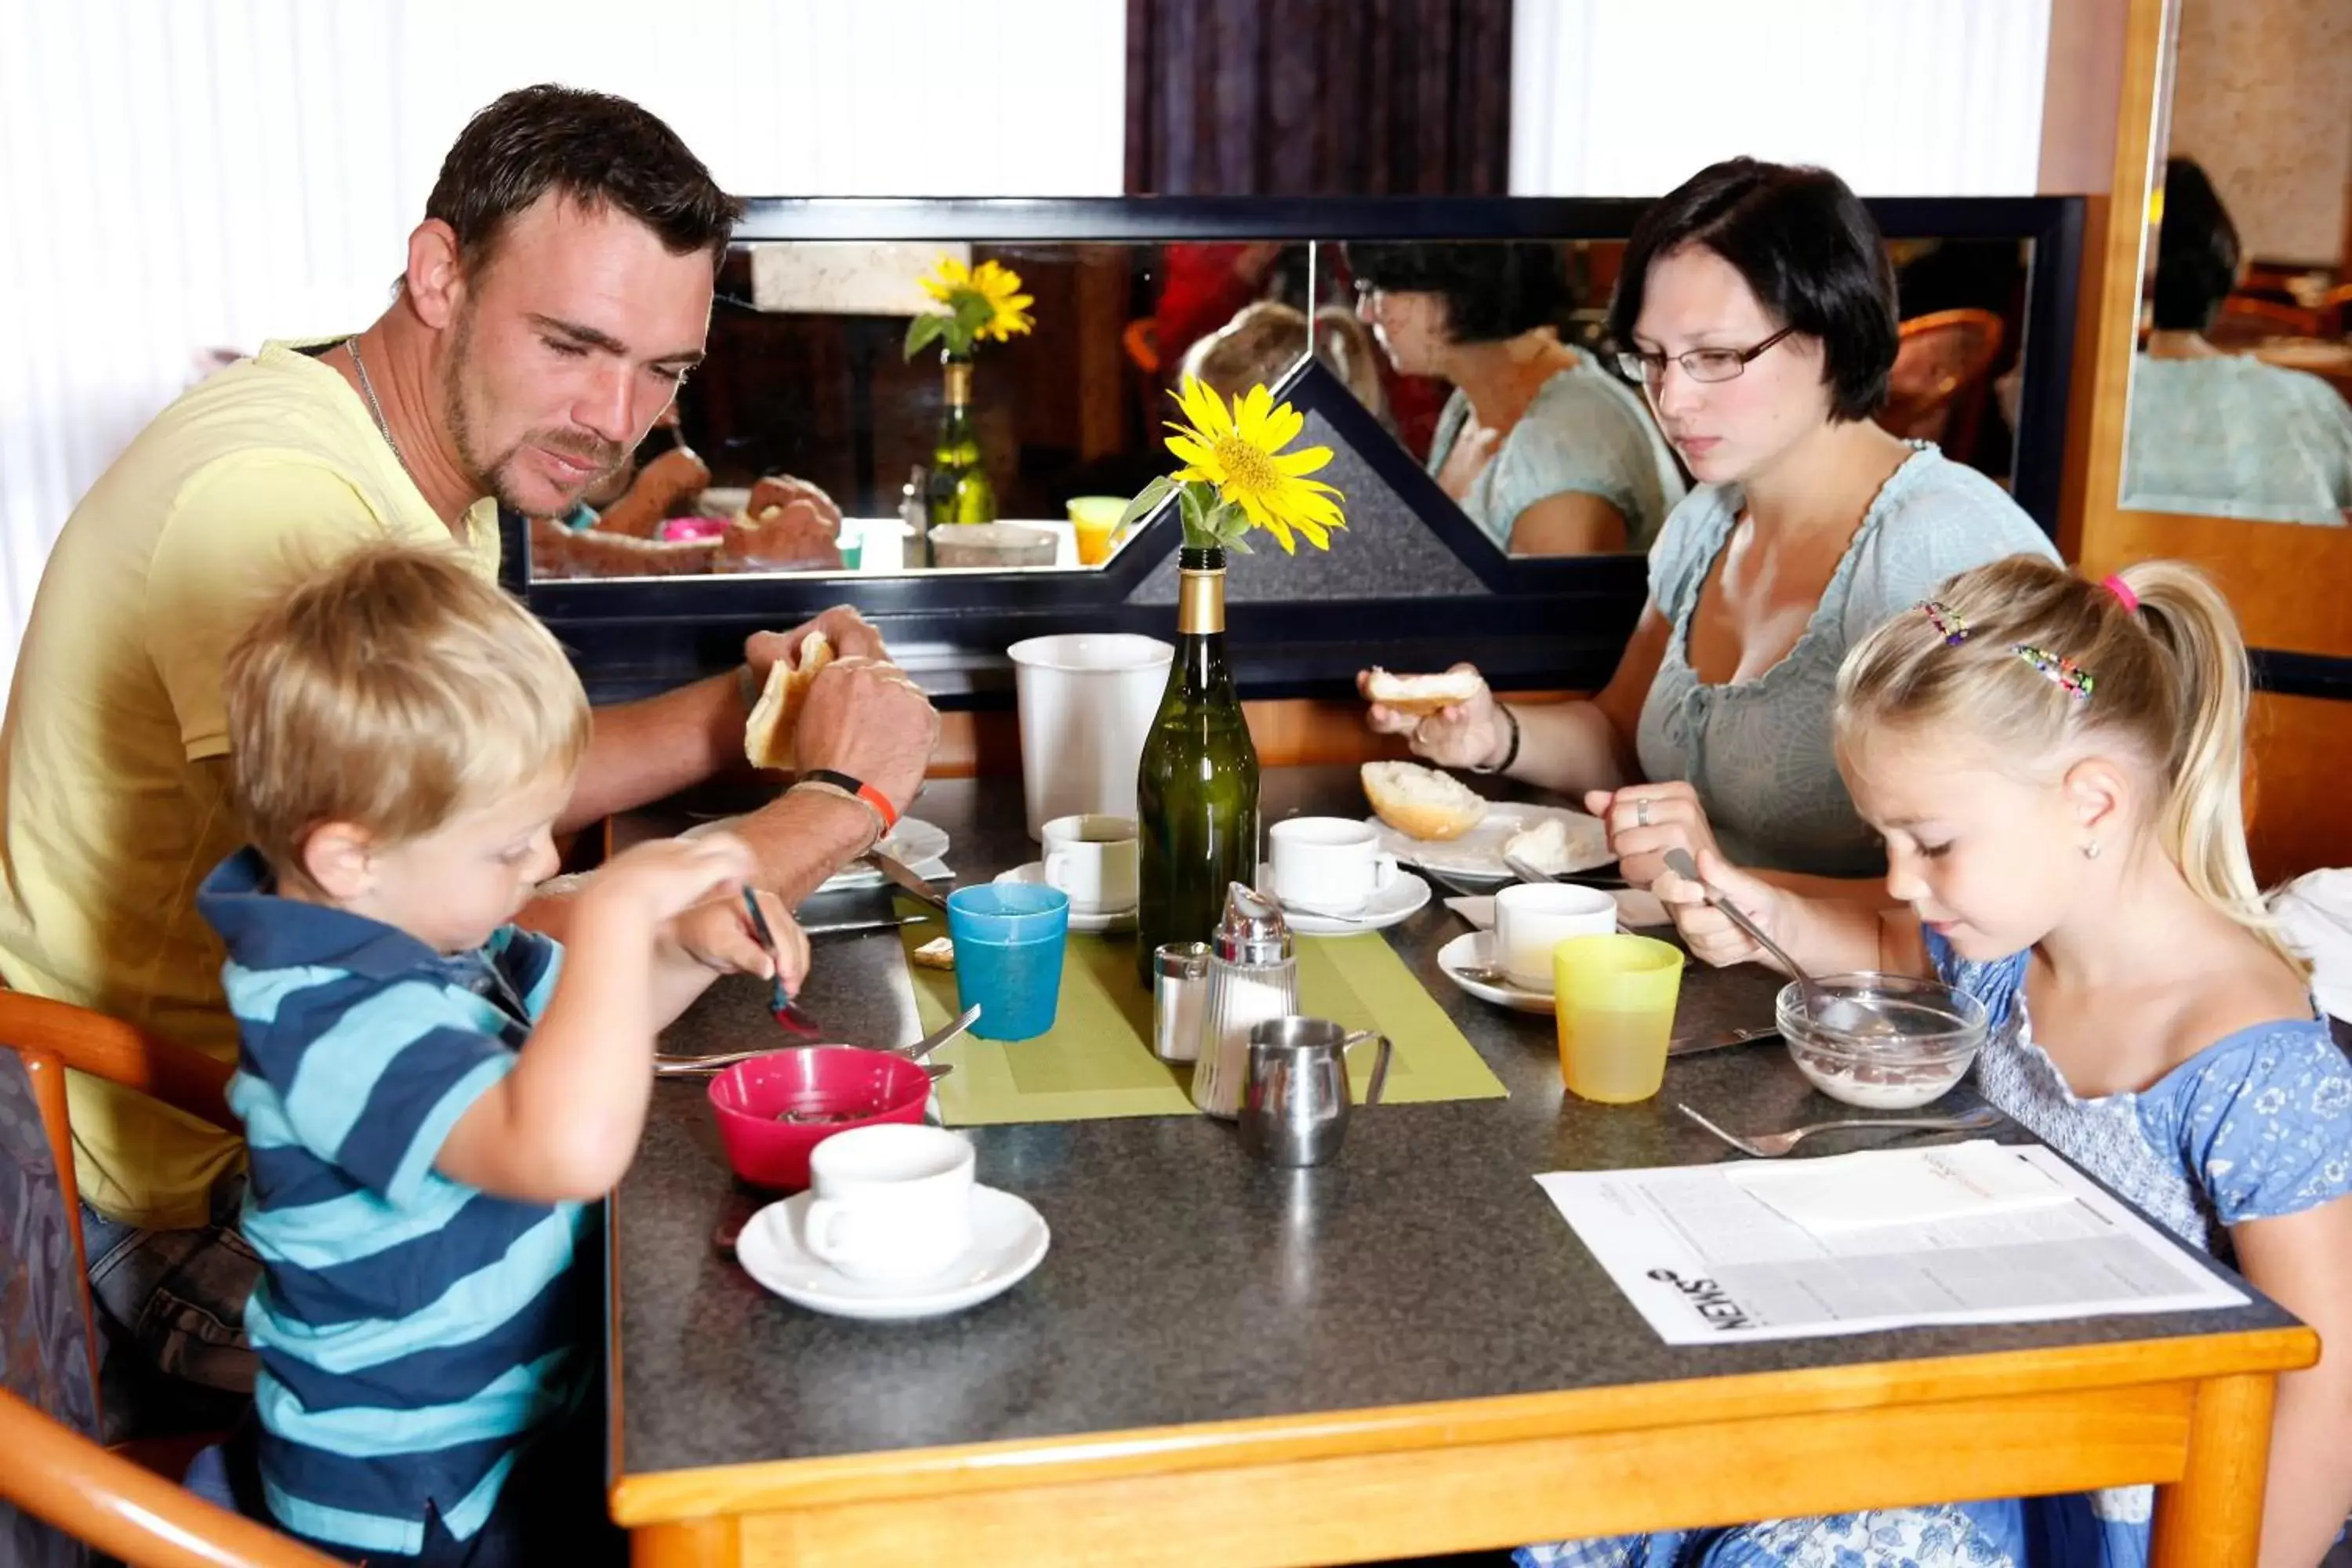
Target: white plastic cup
point(1086, 701)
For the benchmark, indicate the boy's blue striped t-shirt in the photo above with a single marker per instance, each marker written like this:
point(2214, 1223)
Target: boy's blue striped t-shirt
point(413, 1332)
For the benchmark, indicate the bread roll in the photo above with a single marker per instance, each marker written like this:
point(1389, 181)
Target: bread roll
point(1422, 802)
point(1423, 693)
point(1544, 847)
point(768, 737)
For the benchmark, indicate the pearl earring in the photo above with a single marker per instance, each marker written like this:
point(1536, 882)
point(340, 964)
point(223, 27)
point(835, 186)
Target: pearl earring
point(2091, 850)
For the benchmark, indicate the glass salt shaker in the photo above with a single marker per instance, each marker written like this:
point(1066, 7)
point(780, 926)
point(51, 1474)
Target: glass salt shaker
point(1253, 977)
point(1179, 996)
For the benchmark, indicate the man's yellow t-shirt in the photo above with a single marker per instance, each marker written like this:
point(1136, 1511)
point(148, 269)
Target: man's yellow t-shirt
point(111, 777)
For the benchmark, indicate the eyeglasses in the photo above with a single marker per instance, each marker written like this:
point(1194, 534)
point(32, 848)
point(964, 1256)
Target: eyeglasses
point(1700, 364)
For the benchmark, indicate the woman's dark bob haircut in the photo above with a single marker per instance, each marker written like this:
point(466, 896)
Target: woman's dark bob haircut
point(2196, 250)
point(1809, 254)
point(1493, 289)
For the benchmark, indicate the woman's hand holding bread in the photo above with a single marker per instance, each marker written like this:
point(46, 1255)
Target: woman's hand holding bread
point(1451, 718)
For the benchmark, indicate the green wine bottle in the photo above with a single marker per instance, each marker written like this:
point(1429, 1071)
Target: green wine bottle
point(960, 490)
point(1196, 789)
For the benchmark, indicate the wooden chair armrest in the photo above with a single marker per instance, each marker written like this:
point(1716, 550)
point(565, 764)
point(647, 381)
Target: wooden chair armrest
point(57, 1474)
point(107, 1047)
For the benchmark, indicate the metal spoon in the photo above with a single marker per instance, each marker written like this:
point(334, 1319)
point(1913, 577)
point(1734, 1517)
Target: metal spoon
point(942, 1035)
point(1679, 862)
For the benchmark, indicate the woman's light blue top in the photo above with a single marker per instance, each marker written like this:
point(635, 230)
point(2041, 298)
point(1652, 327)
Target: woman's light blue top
point(2231, 437)
point(1758, 751)
point(1585, 432)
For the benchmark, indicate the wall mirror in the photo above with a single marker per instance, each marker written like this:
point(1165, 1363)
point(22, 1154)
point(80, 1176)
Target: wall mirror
point(812, 446)
point(2240, 388)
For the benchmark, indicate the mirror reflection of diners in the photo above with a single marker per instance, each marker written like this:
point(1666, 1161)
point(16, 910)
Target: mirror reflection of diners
point(1551, 447)
point(2240, 402)
point(1539, 441)
point(874, 408)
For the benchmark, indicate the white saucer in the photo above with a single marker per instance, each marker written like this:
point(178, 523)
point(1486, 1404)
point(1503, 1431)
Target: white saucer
point(1473, 950)
point(1008, 1239)
point(1085, 923)
point(1400, 900)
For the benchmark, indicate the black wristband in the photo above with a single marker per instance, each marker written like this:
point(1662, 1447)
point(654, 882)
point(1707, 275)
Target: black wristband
point(1511, 752)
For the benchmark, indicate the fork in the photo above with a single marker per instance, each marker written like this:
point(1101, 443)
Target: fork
point(1772, 1145)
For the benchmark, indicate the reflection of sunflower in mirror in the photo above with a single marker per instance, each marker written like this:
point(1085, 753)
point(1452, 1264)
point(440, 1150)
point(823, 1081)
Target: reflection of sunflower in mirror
point(1241, 453)
point(982, 302)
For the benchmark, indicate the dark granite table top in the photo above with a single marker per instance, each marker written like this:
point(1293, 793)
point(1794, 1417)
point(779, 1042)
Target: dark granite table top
point(1187, 1283)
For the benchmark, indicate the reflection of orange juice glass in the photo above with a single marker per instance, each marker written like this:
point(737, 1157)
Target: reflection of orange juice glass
point(1093, 518)
point(1614, 997)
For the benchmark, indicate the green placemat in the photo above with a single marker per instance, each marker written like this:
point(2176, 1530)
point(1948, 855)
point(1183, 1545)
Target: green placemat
point(1095, 1061)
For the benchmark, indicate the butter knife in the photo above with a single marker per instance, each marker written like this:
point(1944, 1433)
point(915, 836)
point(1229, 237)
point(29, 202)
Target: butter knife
point(902, 876)
point(845, 928)
point(1722, 1042)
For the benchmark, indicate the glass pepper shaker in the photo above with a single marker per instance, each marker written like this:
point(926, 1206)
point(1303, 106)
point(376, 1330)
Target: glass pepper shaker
point(1253, 977)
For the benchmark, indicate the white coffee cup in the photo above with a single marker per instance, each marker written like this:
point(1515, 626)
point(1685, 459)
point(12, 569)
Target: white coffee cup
point(1092, 858)
point(892, 1202)
point(1533, 918)
point(1327, 864)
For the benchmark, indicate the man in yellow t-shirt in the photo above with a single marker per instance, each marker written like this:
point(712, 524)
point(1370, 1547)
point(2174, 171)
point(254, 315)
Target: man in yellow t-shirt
point(557, 291)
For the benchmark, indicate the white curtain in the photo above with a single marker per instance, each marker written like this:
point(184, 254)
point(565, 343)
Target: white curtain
point(1903, 97)
point(177, 175)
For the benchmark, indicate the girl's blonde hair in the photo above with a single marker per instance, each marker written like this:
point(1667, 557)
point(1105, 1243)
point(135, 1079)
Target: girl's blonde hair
point(394, 690)
point(2168, 680)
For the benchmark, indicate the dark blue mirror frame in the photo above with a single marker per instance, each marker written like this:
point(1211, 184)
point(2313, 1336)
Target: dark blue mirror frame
point(1549, 622)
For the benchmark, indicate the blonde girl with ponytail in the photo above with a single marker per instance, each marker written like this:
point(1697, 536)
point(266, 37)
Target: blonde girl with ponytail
point(2054, 765)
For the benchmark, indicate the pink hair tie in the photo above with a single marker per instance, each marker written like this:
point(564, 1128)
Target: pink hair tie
point(2123, 593)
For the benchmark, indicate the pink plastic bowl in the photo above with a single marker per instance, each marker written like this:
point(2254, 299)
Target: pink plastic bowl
point(748, 1098)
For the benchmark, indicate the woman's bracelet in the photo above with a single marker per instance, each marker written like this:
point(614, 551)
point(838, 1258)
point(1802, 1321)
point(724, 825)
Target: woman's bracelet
point(1511, 752)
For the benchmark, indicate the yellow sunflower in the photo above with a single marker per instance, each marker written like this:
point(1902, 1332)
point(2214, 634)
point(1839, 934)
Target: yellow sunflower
point(1241, 453)
point(985, 300)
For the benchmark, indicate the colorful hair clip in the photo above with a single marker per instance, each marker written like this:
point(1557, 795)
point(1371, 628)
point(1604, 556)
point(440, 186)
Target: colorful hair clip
point(2065, 674)
point(1954, 628)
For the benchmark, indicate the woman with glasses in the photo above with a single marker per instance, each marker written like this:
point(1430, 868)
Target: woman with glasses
point(1756, 310)
point(1542, 446)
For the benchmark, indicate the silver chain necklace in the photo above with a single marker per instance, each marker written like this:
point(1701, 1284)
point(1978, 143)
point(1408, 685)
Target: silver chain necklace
point(367, 386)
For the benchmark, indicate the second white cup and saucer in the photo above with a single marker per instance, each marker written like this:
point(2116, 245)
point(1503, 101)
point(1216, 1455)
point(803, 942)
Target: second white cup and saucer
point(1332, 878)
point(1091, 857)
point(893, 1227)
point(1530, 920)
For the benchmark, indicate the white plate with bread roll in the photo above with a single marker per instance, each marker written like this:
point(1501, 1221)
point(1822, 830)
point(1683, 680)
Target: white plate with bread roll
point(1434, 820)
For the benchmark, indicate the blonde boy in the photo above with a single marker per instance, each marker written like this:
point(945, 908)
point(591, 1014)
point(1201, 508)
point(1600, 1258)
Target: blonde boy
point(431, 1095)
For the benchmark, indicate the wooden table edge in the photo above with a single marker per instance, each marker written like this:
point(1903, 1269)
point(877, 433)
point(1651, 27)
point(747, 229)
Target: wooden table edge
point(638, 1500)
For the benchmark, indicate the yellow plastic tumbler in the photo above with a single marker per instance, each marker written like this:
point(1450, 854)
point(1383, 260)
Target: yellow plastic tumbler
point(1093, 518)
point(1614, 997)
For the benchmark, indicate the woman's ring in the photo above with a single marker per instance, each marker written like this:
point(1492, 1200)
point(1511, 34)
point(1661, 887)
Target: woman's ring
point(1642, 812)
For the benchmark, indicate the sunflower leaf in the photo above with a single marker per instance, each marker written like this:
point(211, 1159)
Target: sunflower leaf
point(1147, 500)
point(923, 331)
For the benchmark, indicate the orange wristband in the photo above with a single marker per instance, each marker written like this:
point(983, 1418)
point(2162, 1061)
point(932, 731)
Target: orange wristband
point(856, 789)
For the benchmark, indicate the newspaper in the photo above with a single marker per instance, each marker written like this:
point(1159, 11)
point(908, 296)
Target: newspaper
point(1710, 1254)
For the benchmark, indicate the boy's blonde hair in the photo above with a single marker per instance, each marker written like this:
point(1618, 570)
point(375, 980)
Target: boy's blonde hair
point(2168, 681)
point(1267, 337)
point(393, 691)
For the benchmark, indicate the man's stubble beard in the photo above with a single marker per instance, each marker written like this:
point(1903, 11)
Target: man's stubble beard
point(494, 477)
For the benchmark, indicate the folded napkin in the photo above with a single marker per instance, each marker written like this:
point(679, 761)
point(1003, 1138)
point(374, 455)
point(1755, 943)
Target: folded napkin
point(1636, 907)
point(1845, 1193)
